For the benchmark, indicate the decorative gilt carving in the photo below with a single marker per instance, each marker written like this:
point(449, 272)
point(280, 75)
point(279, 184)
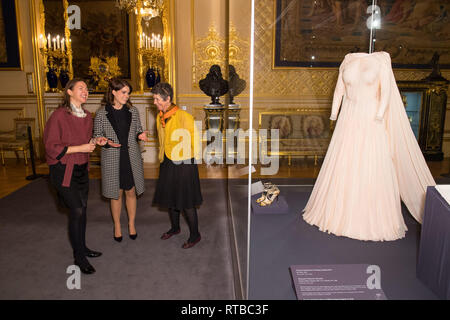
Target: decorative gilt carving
point(103, 70)
point(67, 35)
point(211, 50)
point(42, 28)
point(208, 51)
point(238, 52)
point(166, 39)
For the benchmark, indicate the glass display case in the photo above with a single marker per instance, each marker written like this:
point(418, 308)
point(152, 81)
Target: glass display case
point(426, 103)
point(413, 104)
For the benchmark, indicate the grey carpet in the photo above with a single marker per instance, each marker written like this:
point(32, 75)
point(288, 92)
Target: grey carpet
point(279, 241)
point(35, 250)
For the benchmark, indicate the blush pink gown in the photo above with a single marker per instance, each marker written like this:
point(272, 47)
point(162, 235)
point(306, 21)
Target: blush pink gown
point(373, 160)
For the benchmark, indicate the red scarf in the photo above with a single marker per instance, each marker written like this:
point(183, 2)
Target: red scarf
point(165, 115)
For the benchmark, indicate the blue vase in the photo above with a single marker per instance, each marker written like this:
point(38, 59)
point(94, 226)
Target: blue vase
point(158, 77)
point(52, 79)
point(150, 77)
point(63, 78)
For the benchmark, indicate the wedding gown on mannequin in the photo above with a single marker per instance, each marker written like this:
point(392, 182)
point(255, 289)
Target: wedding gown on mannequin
point(373, 160)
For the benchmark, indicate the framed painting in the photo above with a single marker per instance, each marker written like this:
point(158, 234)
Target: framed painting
point(104, 34)
point(54, 17)
point(319, 33)
point(21, 127)
point(10, 43)
point(301, 132)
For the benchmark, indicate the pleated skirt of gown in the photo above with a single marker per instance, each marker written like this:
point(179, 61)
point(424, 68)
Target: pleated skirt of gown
point(356, 193)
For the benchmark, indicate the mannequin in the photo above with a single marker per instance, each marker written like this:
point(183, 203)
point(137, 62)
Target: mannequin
point(373, 160)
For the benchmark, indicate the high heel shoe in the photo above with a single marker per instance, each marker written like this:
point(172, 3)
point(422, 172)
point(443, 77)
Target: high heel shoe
point(133, 236)
point(267, 187)
point(272, 194)
point(118, 239)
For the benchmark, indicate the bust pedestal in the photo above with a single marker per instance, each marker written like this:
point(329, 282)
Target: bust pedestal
point(234, 116)
point(214, 116)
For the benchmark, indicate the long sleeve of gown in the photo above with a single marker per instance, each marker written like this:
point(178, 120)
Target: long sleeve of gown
point(385, 86)
point(338, 94)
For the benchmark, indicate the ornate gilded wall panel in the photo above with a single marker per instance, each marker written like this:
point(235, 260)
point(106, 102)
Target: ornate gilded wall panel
point(211, 49)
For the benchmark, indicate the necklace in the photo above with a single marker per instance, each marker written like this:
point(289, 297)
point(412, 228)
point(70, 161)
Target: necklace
point(78, 112)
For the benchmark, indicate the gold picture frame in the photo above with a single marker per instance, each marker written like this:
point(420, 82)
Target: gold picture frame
point(21, 127)
point(320, 33)
point(302, 132)
point(10, 40)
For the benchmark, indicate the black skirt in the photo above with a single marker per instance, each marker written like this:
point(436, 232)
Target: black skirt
point(76, 195)
point(125, 172)
point(178, 185)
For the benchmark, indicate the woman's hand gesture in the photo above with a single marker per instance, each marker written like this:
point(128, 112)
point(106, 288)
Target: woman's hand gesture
point(143, 136)
point(101, 141)
point(113, 144)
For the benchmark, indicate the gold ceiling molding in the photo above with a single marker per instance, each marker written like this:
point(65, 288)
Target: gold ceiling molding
point(212, 50)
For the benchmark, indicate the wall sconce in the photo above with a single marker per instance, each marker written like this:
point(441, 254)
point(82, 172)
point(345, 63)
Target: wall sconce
point(54, 50)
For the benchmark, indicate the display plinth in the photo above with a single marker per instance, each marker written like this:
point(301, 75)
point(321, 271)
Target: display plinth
point(433, 265)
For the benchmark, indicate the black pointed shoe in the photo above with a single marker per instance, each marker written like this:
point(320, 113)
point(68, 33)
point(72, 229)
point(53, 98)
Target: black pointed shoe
point(91, 253)
point(133, 236)
point(118, 239)
point(85, 267)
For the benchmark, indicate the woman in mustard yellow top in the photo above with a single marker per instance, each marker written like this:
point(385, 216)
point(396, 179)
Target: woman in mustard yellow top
point(178, 186)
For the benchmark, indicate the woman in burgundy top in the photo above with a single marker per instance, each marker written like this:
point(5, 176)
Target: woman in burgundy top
point(68, 143)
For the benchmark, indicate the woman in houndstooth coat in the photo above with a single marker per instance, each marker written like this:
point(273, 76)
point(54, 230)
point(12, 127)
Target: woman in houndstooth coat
point(122, 168)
